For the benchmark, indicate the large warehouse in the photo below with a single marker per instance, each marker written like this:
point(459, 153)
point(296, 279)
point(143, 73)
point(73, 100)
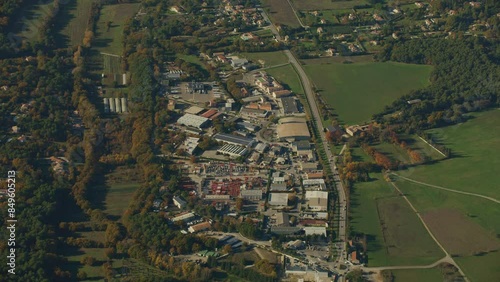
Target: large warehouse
point(293, 129)
point(193, 121)
point(233, 139)
point(317, 200)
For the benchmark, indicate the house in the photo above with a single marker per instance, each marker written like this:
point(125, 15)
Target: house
point(295, 245)
point(314, 230)
point(185, 216)
point(179, 202)
point(199, 227)
point(238, 63)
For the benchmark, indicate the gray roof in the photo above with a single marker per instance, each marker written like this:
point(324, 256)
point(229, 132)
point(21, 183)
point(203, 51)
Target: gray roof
point(233, 139)
point(289, 105)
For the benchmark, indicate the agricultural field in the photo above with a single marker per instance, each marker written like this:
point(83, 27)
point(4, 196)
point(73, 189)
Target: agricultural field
point(73, 19)
point(472, 227)
point(474, 164)
point(395, 236)
point(357, 91)
point(114, 195)
point(417, 275)
point(269, 58)
point(481, 267)
point(305, 5)
point(110, 26)
point(111, 64)
point(281, 12)
point(287, 76)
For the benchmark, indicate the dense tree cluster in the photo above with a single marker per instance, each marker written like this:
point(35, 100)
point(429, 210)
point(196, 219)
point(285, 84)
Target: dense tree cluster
point(465, 78)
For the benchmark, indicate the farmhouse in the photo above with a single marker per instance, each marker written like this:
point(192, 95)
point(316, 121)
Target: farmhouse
point(199, 227)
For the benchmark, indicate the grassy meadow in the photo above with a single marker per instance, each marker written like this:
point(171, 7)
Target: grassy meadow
point(269, 58)
point(287, 76)
point(357, 91)
point(395, 234)
point(417, 275)
point(73, 21)
point(109, 40)
point(475, 156)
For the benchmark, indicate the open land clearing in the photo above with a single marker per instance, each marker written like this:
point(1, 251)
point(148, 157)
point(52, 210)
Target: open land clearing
point(30, 18)
point(395, 236)
point(475, 159)
point(306, 5)
point(73, 19)
point(281, 12)
point(484, 213)
point(458, 234)
point(288, 76)
point(417, 275)
point(109, 40)
point(357, 91)
point(269, 58)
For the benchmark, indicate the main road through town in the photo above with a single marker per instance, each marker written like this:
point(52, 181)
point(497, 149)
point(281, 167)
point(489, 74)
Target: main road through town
point(316, 121)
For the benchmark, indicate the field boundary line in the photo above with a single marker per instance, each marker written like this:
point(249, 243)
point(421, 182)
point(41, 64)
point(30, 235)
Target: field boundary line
point(109, 54)
point(432, 146)
point(295, 13)
point(448, 257)
point(448, 189)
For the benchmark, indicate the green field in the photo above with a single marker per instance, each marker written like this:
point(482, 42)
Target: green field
point(425, 199)
point(417, 275)
point(357, 91)
point(395, 235)
point(94, 272)
point(475, 156)
point(111, 64)
point(325, 4)
point(287, 75)
point(281, 13)
point(110, 40)
point(118, 198)
point(481, 268)
point(73, 19)
point(269, 58)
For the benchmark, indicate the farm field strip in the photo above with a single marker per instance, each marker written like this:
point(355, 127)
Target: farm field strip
point(281, 12)
point(448, 189)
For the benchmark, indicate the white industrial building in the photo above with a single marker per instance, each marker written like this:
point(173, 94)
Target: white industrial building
point(314, 184)
point(193, 121)
point(251, 195)
point(317, 200)
point(179, 202)
point(232, 150)
point(278, 199)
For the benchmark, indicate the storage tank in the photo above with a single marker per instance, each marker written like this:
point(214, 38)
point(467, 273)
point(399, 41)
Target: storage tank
point(124, 105)
point(106, 105)
point(112, 105)
point(118, 105)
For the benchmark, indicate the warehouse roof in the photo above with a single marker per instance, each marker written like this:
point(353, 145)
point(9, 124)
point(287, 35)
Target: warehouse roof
point(194, 110)
point(233, 139)
point(192, 120)
point(278, 199)
point(293, 130)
